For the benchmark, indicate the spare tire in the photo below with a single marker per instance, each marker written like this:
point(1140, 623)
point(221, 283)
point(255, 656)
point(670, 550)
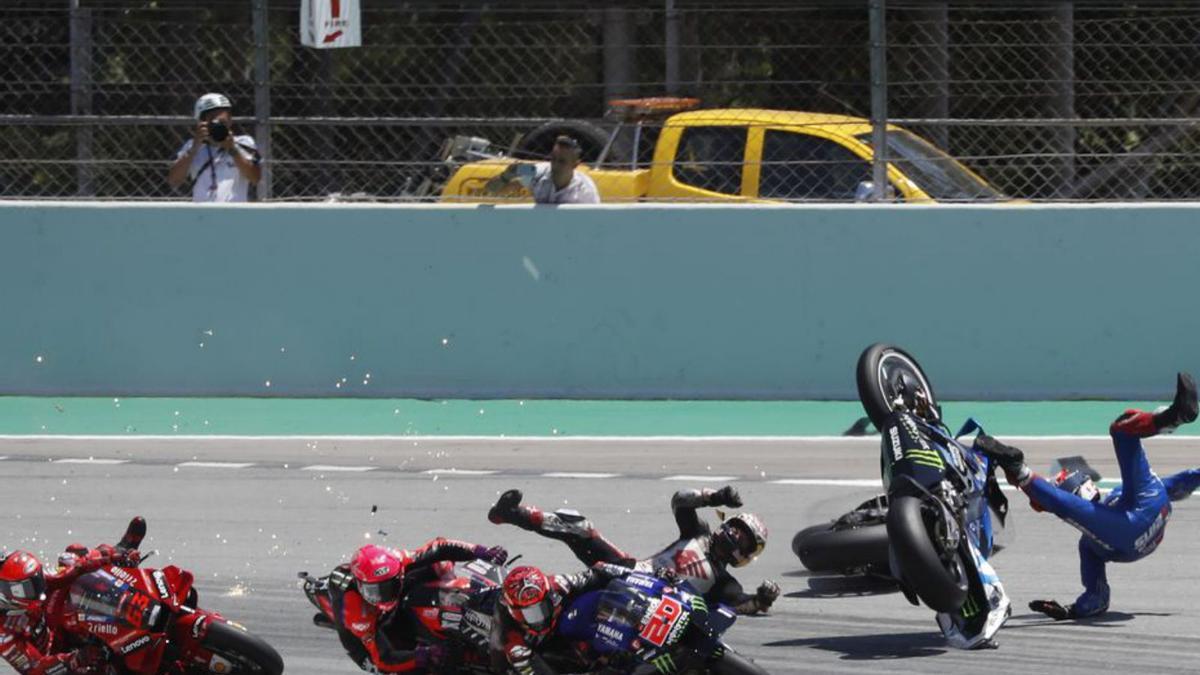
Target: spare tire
point(537, 144)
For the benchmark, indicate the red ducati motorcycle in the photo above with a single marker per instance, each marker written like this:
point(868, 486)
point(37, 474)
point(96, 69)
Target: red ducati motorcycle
point(435, 610)
point(149, 622)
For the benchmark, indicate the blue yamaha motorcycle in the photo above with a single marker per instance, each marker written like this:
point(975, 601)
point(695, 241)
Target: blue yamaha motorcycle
point(939, 524)
point(642, 624)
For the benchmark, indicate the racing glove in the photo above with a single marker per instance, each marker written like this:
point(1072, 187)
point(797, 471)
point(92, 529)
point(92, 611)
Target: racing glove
point(726, 496)
point(668, 575)
point(766, 595)
point(1010, 459)
point(494, 554)
point(1052, 609)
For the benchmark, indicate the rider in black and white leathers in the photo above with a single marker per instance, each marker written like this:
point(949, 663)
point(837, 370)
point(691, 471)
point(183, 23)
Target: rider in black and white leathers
point(700, 556)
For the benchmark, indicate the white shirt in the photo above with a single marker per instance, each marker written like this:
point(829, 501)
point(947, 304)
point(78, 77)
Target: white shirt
point(581, 189)
point(220, 181)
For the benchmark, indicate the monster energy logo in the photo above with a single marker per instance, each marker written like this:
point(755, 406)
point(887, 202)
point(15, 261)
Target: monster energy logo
point(663, 664)
point(924, 457)
point(698, 604)
point(970, 608)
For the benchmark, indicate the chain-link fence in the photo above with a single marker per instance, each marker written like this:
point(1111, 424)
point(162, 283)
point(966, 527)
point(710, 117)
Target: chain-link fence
point(1046, 100)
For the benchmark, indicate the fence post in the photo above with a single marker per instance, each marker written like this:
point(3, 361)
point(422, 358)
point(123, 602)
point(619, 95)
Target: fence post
point(671, 38)
point(934, 57)
point(877, 15)
point(1062, 73)
point(81, 97)
point(262, 95)
point(618, 57)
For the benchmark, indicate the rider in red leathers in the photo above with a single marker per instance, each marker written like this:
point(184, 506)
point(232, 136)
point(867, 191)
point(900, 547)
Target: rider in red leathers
point(366, 594)
point(32, 638)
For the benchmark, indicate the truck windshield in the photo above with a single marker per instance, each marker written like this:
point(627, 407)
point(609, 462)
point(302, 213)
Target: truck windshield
point(935, 172)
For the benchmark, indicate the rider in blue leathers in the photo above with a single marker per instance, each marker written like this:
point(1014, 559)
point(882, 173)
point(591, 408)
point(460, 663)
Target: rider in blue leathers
point(1125, 526)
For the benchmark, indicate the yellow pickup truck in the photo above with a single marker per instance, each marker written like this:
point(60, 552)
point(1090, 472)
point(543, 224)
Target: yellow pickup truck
point(751, 155)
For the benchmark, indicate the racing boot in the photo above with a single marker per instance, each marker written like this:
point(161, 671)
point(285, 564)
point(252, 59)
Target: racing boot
point(1143, 424)
point(508, 509)
point(1011, 459)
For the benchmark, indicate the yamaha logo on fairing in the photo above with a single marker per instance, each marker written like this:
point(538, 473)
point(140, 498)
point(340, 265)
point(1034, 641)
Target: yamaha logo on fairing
point(609, 632)
point(135, 645)
point(640, 581)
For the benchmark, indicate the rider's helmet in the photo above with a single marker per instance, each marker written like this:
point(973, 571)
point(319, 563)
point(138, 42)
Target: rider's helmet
point(22, 584)
point(529, 599)
point(740, 539)
point(210, 101)
point(1078, 483)
point(379, 572)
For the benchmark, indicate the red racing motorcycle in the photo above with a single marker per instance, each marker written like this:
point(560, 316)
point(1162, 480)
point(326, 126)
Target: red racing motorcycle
point(434, 611)
point(148, 621)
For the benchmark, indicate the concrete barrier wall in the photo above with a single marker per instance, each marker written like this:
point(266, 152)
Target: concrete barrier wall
point(633, 302)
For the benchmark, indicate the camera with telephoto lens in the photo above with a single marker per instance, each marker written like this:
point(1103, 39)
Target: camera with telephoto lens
point(218, 131)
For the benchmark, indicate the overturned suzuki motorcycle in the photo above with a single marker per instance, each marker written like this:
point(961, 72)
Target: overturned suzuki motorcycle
point(938, 524)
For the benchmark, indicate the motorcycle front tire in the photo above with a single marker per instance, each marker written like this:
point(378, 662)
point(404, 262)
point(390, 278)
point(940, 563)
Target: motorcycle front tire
point(921, 568)
point(243, 649)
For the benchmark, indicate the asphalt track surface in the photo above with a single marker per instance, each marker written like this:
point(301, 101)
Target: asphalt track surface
point(247, 530)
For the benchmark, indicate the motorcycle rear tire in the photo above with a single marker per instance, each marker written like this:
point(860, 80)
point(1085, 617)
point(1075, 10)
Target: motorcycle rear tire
point(733, 663)
point(242, 648)
point(920, 566)
point(872, 392)
point(824, 549)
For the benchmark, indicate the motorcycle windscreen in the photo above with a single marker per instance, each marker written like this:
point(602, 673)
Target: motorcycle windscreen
point(617, 618)
point(99, 595)
point(103, 598)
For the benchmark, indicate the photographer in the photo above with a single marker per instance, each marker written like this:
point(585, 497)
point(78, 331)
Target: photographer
point(220, 164)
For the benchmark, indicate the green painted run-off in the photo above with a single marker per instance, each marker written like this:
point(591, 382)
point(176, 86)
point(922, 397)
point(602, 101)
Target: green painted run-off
point(20, 415)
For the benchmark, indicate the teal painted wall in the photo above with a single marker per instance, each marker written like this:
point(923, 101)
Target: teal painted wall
point(717, 302)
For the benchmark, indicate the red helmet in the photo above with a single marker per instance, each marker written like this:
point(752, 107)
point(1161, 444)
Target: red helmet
point(22, 585)
point(380, 575)
point(529, 599)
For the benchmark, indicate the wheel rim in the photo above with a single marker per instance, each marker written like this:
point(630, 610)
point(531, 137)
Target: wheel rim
point(892, 363)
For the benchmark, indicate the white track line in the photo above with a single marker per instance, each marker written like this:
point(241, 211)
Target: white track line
point(1176, 438)
point(838, 482)
point(578, 474)
point(701, 479)
point(336, 467)
point(89, 460)
point(460, 472)
point(216, 465)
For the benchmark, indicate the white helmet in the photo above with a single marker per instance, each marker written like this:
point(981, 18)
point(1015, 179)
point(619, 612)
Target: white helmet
point(211, 101)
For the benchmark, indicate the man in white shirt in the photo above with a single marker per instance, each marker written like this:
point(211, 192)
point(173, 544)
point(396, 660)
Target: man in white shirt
point(220, 164)
point(554, 182)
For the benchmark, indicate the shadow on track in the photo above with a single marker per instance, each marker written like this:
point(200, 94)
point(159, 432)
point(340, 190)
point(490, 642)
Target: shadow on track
point(880, 647)
point(1037, 619)
point(842, 586)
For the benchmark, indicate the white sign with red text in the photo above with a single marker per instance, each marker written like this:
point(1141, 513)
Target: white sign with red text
point(329, 24)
